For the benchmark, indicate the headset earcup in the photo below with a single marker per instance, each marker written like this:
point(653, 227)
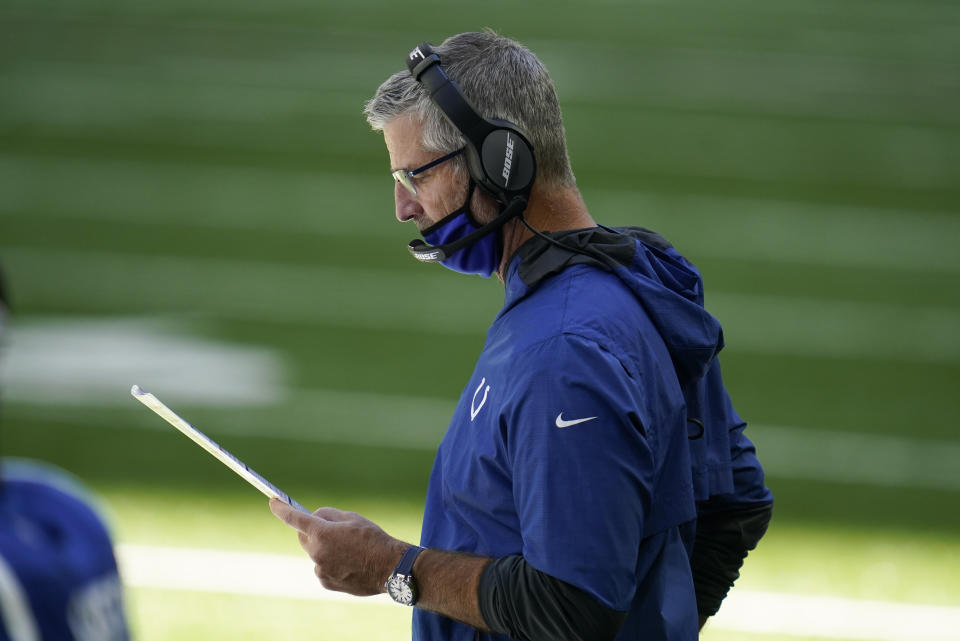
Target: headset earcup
point(499, 156)
point(508, 161)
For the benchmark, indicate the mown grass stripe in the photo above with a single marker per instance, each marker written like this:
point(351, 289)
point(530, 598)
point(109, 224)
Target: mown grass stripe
point(384, 299)
point(418, 423)
point(197, 86)
point(360, 206)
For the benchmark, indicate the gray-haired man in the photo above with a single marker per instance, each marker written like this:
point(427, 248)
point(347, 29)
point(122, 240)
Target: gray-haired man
point(561, 501)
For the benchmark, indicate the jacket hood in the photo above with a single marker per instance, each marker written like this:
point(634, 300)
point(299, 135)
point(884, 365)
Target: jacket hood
point(665, 283)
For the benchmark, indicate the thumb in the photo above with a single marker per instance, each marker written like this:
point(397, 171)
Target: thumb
point(300, 521)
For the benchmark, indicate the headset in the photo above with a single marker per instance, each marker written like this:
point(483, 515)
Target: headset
point(499, 155)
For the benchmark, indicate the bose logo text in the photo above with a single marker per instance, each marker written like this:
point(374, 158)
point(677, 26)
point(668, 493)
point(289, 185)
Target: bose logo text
point(416, 53)
point(427, 256)
point(507, 160)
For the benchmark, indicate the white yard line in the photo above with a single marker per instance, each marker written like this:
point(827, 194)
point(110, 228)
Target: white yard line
point(830, 617)
point(210, 570)
point(285, 576)
point(84, 361)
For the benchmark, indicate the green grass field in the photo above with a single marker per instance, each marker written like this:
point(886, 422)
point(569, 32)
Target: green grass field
point(191, 201)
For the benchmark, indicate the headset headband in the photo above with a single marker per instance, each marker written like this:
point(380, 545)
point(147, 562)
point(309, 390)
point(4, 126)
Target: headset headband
point(499, 155)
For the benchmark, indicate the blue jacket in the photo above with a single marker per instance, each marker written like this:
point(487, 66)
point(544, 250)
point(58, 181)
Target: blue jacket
point(571, 442)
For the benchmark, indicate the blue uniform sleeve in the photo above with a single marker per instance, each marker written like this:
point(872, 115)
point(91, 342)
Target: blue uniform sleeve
point(588, 456)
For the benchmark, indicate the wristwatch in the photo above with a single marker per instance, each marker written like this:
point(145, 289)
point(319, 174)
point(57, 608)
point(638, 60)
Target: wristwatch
point(401, 586)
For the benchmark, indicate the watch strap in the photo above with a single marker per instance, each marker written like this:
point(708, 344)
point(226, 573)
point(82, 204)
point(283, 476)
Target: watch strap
point(405, 566)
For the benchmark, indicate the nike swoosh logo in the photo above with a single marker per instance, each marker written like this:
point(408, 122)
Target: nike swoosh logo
point(562, 423)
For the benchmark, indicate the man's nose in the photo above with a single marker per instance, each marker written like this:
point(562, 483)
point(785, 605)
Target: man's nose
point(407, 205)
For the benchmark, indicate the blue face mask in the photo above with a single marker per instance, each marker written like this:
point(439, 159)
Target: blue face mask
point(481, 257)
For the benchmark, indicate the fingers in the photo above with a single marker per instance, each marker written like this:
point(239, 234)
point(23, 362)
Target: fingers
point(333, 514)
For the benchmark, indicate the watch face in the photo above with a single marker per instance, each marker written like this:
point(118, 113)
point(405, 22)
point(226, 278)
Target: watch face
point(400, 589)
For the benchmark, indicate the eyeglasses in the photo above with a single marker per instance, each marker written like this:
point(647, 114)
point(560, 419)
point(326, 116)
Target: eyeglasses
point(405, 176)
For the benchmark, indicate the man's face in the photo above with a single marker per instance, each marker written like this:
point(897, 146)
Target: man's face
point(440, 190)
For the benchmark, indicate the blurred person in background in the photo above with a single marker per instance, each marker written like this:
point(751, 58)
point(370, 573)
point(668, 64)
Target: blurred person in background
point(594, 481)
point(58, 573)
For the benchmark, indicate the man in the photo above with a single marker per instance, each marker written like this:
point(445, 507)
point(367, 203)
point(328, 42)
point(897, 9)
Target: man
point(561, 501)
point(58, 574)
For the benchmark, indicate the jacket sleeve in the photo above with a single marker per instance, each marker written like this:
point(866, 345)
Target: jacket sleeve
point(729, 526)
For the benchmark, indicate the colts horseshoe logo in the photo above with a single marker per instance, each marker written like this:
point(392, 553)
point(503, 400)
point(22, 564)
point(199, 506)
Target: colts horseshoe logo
point(474, 408)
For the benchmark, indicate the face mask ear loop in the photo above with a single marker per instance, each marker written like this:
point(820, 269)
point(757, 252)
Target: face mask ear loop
point(463, 209)
point(466, 203)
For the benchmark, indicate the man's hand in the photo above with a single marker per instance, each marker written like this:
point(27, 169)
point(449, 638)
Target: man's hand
point(354, 555)
point(351, 553)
